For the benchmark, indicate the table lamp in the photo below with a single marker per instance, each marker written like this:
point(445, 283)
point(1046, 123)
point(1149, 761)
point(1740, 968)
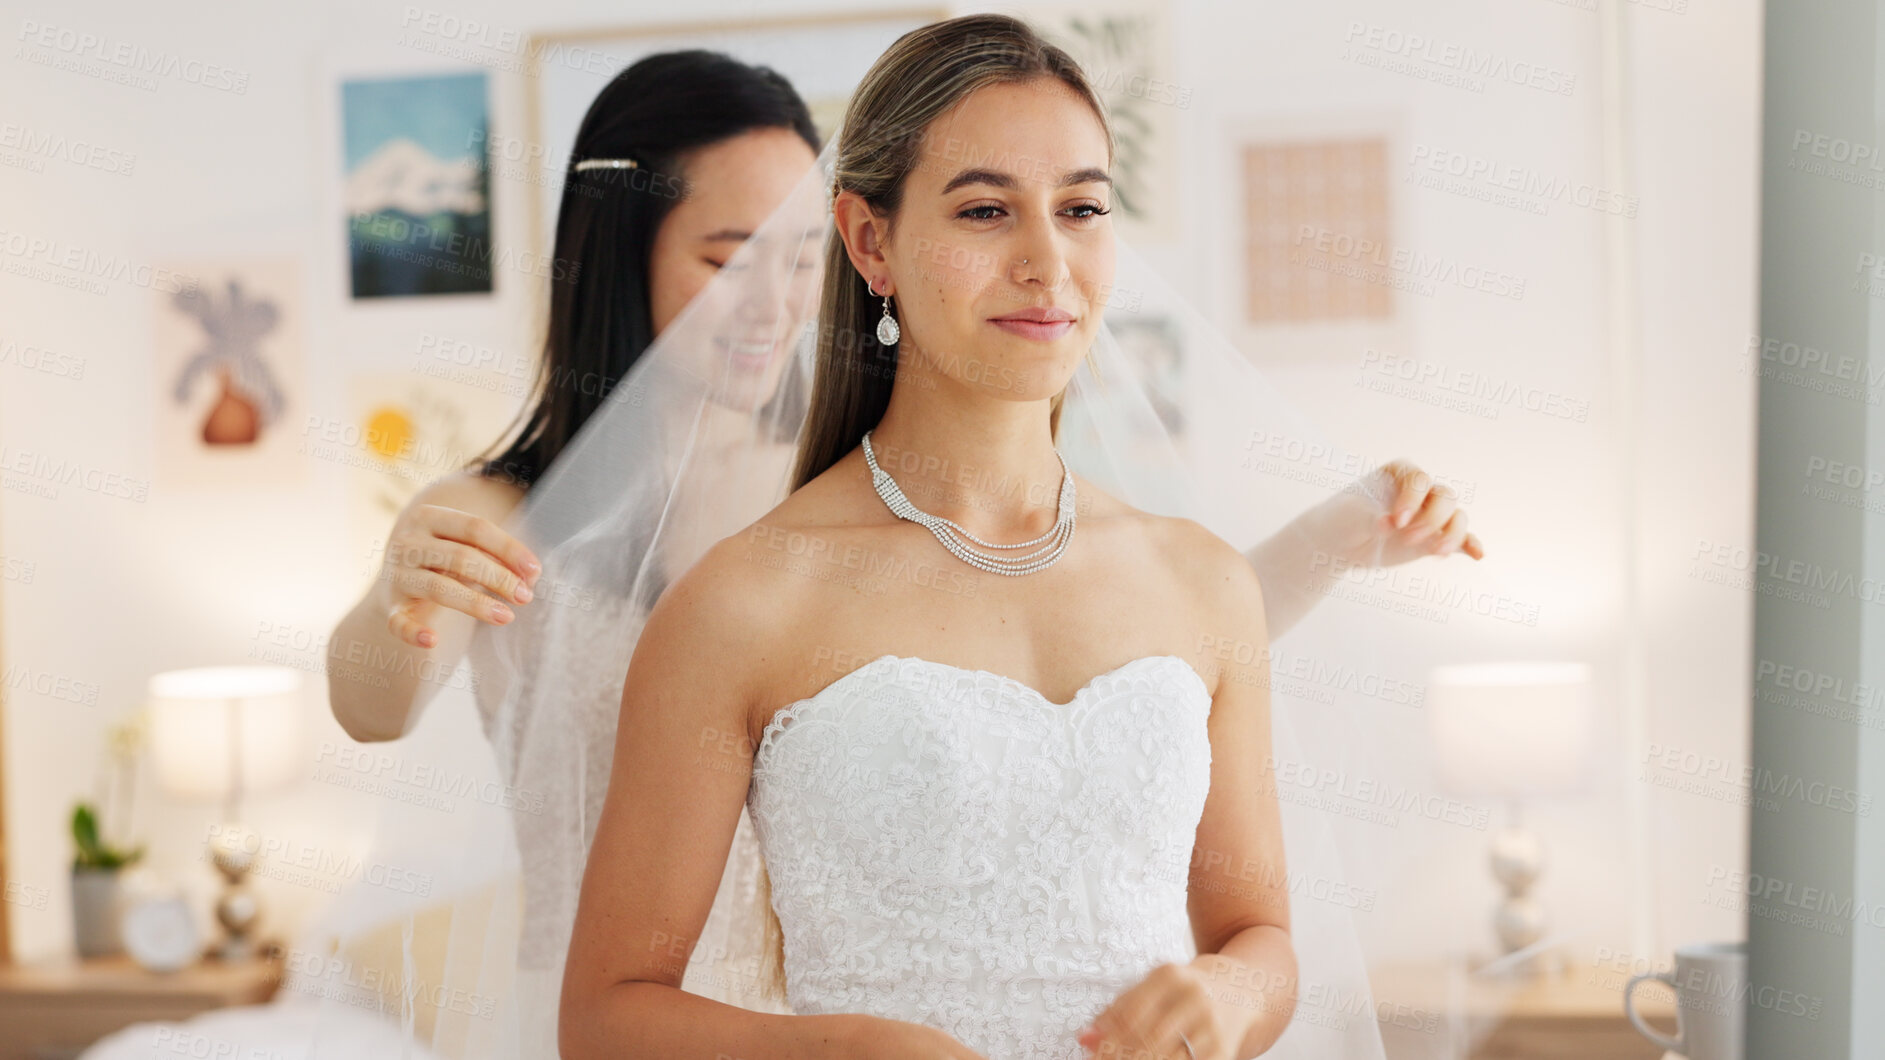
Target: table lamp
point(1513, 731)
point(218, 733)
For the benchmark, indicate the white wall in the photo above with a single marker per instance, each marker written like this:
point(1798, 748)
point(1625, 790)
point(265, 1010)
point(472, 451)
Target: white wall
point(123, 589)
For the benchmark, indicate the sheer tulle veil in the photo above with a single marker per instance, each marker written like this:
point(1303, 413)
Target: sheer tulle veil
point(698, 443)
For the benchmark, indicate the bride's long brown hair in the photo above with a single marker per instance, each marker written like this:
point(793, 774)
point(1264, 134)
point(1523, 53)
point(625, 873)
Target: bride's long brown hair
point(922, 76)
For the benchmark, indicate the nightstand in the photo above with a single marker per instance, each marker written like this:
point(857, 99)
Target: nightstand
point(54, 1011)
point(1575, 1015)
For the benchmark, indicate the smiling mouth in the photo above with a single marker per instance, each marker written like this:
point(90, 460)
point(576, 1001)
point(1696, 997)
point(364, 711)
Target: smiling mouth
point(746, 352)
point(1048, 327)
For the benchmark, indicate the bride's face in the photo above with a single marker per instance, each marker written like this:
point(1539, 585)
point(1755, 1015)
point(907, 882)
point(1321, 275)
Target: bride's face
point(738, 337)
point(1002, 252)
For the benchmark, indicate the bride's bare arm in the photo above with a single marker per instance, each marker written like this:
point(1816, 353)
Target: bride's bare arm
point(1236, 997)
point(683, 763)
point(1239, 898)
point(683, 760)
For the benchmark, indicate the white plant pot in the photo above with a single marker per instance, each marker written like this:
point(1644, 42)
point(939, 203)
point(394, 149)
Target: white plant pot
point(95, 909)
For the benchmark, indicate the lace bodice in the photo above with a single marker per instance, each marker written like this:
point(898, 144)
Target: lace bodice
point(948, 847)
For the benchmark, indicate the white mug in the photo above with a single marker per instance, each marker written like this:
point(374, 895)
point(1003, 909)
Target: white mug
point(1709, 982)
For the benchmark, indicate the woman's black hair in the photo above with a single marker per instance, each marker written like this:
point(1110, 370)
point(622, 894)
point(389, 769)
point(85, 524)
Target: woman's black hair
point(601, 317)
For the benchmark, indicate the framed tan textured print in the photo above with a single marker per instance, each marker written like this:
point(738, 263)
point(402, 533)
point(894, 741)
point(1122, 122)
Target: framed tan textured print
point(1316, 214)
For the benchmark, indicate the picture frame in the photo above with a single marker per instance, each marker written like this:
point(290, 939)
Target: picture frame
point(824, 56)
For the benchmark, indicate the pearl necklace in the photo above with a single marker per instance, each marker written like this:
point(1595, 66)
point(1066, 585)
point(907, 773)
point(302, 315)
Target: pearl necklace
point(1052, 543)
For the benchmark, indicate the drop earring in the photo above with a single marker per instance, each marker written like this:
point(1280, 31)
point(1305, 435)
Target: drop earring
point(887, 330)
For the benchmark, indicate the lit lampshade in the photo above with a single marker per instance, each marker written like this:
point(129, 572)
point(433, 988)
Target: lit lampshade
point(1511, 728)
point(221, 732)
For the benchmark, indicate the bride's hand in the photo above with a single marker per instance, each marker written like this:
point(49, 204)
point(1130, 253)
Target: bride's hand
point(875, 1038)
point(1145, 1022)
point(1423, 518)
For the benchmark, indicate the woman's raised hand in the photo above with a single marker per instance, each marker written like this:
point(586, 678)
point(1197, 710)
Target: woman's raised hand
point(442, 557)
point(1421, 517)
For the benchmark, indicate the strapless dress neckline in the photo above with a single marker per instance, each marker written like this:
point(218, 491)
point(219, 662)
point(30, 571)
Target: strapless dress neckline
point(947, 846)
point(785, 714)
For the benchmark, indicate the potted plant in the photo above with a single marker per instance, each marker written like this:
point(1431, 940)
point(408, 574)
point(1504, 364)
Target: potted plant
point(95, 885)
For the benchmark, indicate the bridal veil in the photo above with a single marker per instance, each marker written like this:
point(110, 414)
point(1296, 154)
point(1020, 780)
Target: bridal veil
point(696, 443)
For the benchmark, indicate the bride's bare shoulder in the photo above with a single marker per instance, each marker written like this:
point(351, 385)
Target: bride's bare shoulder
point(835, 506)
point(1222, 581)
point(1211, 570)
point(763, 563)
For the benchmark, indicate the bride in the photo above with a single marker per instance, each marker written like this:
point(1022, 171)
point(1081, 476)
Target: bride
point(977, 810)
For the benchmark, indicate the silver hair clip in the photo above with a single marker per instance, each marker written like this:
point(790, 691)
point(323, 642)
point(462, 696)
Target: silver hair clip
point(607, 163)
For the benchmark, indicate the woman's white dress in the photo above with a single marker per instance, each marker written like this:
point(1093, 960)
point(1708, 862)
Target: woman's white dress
point(948, 847)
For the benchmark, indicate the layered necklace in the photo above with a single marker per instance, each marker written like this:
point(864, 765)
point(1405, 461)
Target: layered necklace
point(1048, 546)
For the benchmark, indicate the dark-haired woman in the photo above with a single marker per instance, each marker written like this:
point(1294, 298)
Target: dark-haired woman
point(678, 161)
point(688, 152)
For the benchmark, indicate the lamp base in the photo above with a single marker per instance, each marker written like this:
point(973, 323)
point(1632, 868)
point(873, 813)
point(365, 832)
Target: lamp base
point(237, 910)
point(1545, 963)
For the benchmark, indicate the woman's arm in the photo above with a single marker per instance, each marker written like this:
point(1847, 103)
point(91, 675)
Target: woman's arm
point(1385, 518)
point(1236, 997)
point(683, 763)
point(381, 674)
point(1245, 958)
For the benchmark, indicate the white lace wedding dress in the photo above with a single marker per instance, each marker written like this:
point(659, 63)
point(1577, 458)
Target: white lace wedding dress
point(948, 847)
point(727, 956)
